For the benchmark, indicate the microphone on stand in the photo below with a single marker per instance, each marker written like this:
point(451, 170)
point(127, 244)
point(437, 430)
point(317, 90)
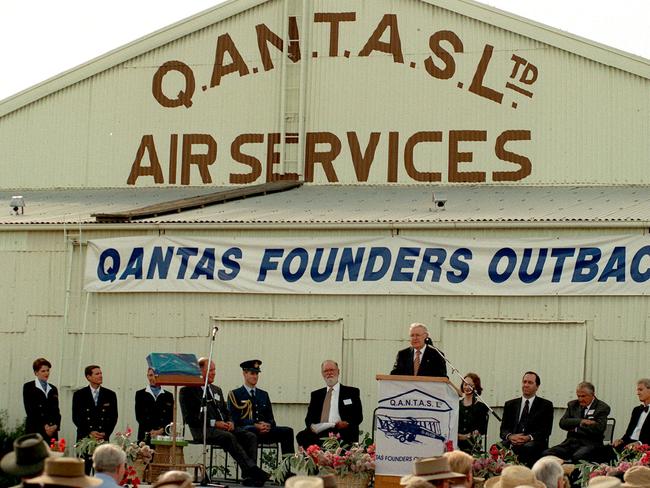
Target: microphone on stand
point(214, 331)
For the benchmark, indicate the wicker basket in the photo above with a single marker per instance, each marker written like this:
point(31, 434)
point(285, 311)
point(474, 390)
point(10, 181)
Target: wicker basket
point(353, 481)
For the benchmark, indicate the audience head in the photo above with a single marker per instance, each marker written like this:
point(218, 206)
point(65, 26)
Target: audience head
point(110, 459)
point(550, 472)
point(304, 482)
point(203, 364)
point(513, 476)
point(422, 477)
point(530, 382)
point(472, 382)
point(170, 479)
point(418, 334)
point(461, 462)
point(605, 482)
point(585, 392)
point(28, 457)
point(64, 471)
point(330, 371)
point(637, 477)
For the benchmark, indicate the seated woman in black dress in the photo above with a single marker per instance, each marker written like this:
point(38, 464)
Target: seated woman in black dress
point(41, 400)
point(472, 414)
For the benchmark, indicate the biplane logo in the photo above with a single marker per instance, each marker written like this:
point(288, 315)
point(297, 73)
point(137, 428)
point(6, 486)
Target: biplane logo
point(419, 423)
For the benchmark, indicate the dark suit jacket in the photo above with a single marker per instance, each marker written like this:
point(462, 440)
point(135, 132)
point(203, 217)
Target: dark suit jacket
point(152, 413)
point(540, 420)
point(644, 436)
point(591, 435)
point(190, 400)
point(88, 417)
point(41, 409)
point(350, 410)
point(245, 412)
point(431, 364)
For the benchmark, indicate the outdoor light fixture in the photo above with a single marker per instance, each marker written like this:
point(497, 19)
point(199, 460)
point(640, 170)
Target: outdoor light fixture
point(439, 201)
point(17, 205)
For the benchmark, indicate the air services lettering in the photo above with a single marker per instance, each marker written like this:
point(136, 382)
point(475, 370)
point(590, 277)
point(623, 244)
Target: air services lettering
point(254, 158)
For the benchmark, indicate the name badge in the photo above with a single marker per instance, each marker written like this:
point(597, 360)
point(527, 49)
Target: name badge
point(347, 401)
point(591, 412)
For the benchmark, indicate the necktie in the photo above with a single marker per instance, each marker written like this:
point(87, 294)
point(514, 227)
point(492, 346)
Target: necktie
point(645, 409)
point(95, 395)
point(416, 363)
point(325, 414)
point(523, 420)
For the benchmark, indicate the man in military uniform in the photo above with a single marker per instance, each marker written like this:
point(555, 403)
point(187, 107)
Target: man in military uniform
point(251, 410)
point(154, 409)
point(94, 409)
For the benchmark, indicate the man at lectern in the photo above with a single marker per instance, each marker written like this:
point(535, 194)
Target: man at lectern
point(334, 409)
point(420, 359)
point(221, 431)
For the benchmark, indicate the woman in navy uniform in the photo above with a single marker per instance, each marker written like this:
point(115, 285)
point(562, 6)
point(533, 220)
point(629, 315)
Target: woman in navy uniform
point(41, 400)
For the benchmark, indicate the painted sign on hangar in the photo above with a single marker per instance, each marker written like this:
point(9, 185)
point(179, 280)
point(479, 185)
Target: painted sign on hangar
point(353, 92)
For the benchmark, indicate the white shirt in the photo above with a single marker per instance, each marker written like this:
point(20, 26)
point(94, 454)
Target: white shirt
point(334, 405)
point(38, 385)
point(636, 433)
point(523, 404)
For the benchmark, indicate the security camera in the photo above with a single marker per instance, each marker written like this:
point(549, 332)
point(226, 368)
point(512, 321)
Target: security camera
point(17, 205)
point(439, 201)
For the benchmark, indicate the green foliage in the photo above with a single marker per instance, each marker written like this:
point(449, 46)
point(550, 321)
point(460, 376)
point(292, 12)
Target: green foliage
point(7, 437)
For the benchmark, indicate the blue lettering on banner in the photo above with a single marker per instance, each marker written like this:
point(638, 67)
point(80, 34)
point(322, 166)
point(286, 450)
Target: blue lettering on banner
point(110, 273)
point(635, 271)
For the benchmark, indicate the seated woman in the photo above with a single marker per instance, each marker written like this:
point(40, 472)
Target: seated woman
point(472, 414)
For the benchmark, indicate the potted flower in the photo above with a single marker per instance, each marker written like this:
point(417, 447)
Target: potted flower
point(492, 463)
point(632, 455)
point(352, 465)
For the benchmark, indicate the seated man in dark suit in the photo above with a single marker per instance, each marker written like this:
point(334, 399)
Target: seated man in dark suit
point(221, 431)
point(585, 420)
point(527, 421)
point(638, 430)
point(334, 409)
point(420, 359)
point(251, 409)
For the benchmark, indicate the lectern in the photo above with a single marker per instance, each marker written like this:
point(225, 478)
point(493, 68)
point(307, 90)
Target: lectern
point(416, 417)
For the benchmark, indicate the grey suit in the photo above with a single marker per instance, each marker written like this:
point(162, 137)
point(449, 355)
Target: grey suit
point(582, 441)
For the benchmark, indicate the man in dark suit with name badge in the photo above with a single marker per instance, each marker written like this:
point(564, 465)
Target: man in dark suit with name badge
point(251, 409)
point(585, 420)
point(94, 409)
point(638, 429)
point(420, 359)
point(527, 421)
point(334, 409)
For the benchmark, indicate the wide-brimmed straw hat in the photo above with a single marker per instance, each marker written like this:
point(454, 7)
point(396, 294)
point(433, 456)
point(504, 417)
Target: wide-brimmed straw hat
point(435, 468)
point(27, 458)
point(637, 477)
point(304, 482)
point(513, 476)
point(65, 472)
point(605, 482)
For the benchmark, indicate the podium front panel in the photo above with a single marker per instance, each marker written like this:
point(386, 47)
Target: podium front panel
point(414, 419)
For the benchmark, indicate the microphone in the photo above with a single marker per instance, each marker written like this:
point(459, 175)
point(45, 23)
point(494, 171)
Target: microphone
point(214, 331)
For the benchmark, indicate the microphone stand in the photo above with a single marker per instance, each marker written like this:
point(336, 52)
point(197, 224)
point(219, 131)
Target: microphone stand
point(204, 409)
point(462, 378)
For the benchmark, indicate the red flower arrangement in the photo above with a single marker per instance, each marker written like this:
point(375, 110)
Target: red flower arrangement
point(57, 445)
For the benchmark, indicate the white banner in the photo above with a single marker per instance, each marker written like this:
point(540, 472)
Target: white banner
point(414, 419)
point(612, 265)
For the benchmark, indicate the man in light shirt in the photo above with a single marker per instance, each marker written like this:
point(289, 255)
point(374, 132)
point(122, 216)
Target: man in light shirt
point(638, 430)
point(334, 409)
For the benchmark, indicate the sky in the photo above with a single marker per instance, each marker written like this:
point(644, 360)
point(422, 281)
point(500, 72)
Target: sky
point(42, 38)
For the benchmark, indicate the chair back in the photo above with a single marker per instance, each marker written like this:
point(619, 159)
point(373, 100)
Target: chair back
point(609, 431)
